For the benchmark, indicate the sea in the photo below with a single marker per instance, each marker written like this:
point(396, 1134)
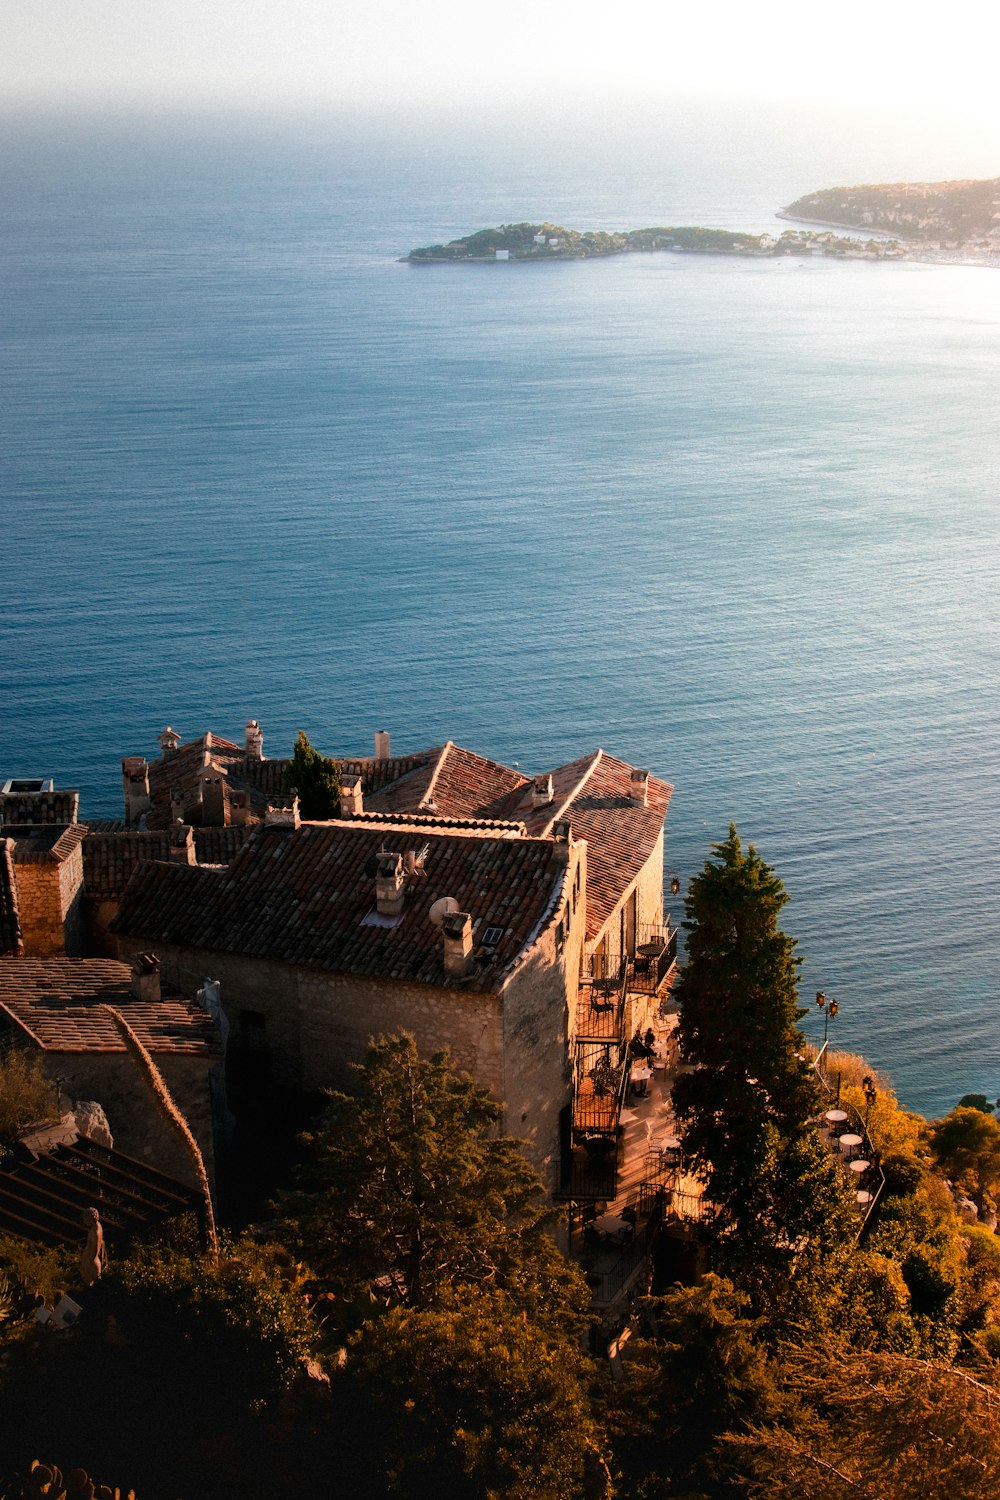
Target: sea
point(735, 521)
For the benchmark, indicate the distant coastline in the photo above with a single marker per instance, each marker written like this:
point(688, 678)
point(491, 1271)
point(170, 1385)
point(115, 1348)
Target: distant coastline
point(943, 223)
point(537, 243)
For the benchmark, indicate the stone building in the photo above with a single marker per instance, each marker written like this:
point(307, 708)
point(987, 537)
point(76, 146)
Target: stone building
point(455, 898)
point(53, 1006)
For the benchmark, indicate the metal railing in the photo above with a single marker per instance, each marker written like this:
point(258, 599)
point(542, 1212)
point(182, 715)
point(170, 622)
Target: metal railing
point(874, 1178)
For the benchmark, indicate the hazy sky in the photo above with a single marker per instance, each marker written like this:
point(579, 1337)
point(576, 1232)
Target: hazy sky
point(383, 52)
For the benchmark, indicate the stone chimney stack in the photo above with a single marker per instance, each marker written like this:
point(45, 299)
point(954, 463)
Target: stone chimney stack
point(382, 744)
point(254, 741)
point(239, 808)
point(352, 802)
point(457, 931)
point(213, 800)
point(182, 850)
point(145, 983)
point(542, 792)
point(283, 812)
point(169, 740)
point(177, 806)
point(135, 786)
point(639, 787)
point(390, 884)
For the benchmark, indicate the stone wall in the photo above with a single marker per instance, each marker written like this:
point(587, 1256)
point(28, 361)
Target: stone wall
point(137, 1126)
point(50, 903)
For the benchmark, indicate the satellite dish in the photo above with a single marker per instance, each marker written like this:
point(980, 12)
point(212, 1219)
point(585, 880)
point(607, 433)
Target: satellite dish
point(441, 909)
point(371, 867)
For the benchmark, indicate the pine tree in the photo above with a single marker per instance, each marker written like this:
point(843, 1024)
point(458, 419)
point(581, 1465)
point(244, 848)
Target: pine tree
point(746, 1105)
point(316, 778)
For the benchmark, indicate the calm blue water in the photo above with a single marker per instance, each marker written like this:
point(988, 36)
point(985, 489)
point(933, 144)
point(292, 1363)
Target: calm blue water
point(736, 521)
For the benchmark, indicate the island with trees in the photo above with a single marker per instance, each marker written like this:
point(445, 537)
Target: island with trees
point(546, 242)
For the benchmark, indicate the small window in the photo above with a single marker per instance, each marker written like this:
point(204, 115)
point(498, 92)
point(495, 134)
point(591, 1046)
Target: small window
point(492, 936)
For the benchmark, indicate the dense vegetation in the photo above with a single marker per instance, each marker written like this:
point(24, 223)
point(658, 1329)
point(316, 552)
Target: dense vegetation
point(944, 213)
point(403, 1326)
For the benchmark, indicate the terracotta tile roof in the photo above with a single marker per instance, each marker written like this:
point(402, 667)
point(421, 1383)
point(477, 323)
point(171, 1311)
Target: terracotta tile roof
point(452, 782)
point(181, 773)
point(303, 896)
point(376, 774)
point(56, 1002)
point(43, 843)
point(11, 942)
point(110, 858)
point(220, 846)
point(39, 807)
point(620, 834)
point(496, 827)
point(594, 795)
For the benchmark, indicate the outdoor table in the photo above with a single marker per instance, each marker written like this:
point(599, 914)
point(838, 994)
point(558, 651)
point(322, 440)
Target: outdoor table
point(864, 1198)
point(849, 1143)
point(671, 1143)
point(640, 1078)
point(859, 1165)
point(650, 950)
point(612, 1227)
point(835, 1116)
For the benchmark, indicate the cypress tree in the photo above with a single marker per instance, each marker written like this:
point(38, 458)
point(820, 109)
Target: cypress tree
point(316, 778)
point(746, 1107)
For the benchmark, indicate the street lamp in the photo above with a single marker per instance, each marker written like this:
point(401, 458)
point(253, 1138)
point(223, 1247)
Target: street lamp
point(829, 1009)
point(871, 1094)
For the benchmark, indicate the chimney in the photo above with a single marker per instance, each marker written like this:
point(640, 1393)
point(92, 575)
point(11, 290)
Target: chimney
point(182, 850)
point(239, 808)
point(457, 930)
point(135, 785)
point(390, 884)
point(639, 786)
point(562, 831)
point(169, 740)
point(352, 802)
point(542, 792)
point(213, 801)
point(146, 977)
point(254, 741)
point(382, 744)
point(177, 806)
point(283, 812)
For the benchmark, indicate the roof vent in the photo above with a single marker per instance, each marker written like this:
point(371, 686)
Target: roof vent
point(390, 883)
point(562, 831)
point(542, 791)
point(456, 927)
point(254, 741)
point(169, 740)
point(639, 787)
point(352, 802)
point(145, 983)
point(283, 812)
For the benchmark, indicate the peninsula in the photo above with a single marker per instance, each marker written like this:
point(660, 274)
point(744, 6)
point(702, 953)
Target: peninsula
point(542, 242)
point(932, 219)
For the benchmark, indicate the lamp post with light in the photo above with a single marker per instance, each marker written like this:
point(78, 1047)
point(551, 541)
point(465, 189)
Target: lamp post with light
point(829, 1009)
point(871, 1094)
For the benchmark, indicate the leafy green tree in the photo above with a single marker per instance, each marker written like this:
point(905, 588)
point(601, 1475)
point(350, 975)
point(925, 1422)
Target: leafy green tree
point(466, 1401)
point(407, 1194)
point(874, 1427)
point(27, 1095)
point(701, 1372)
point(745, 1105)
point(967, 1147)
point(316, 778)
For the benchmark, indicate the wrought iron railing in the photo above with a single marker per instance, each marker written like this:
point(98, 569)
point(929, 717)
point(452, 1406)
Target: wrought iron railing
point(874, 1179)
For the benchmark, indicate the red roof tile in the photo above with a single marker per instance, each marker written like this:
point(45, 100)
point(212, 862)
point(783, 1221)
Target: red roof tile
point(110, 858)
point(56, 1002)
